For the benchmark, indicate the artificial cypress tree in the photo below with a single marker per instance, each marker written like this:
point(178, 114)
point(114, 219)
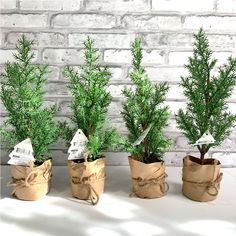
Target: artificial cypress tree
point(22, 94)
point(207, 96)
point(90, 103)
point(144, 110)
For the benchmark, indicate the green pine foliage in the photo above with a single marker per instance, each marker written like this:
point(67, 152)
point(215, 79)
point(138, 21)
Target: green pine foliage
point(207, 94)
point(144, 107)
point(90, 103)
point(22, 94)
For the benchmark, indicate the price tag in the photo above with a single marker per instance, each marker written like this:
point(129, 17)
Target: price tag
point(22, 153)
point(142, 136)
point(206, 138)
point(77, 148)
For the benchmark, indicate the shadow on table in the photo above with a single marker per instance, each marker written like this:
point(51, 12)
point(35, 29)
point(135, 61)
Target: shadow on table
point(76, 219)
point(5, 179)
point(115, 215)
point(174, 188)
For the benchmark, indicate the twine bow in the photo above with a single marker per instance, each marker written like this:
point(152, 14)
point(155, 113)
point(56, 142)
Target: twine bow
point(144, 183)
point(214, 185)
point(209, 185)
point(31, 179)
point(93, 196)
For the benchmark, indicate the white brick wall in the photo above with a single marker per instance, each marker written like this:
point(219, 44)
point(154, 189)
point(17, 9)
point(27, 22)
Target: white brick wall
point(6, 55)
point(8, 4)
point(124, 56)
point(44, 5)
point(224, 23)
point(117, 5)
point(103, 40)
point(42, 39)
point(92, 21)
point(23, 20)
point(226, 6)
point(59, 27)
point(179, 58)
point(62, 56)
point(183, 5)
point(150, 22)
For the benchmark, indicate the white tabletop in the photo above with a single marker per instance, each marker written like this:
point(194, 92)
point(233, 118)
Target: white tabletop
point(116, 213)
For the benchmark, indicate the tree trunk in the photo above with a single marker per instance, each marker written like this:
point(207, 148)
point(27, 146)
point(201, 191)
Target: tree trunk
point(145, 142)
point(202, 156)
point(146, 151)
point(203, 152)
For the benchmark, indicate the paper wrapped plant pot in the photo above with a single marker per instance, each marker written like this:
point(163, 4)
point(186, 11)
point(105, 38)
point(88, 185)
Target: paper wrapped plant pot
point(201, 181)
point(148, 180)
point(87, 179)
point(31, 182)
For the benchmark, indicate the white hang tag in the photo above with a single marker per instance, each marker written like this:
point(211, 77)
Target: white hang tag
point(76, 154)
point(78, 146)
point(22, 153)
point(206, 138)
point(142, 136)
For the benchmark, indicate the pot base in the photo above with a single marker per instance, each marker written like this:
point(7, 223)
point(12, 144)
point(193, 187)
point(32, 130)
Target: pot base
point(87, 179)
point(201, 182)
point(31, 183)
point(148, 180)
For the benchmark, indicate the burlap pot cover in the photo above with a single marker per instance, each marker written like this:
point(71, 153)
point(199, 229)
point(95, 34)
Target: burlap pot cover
point(201, 182)
point(31, 182)
point(87, 179)
point(148, 180)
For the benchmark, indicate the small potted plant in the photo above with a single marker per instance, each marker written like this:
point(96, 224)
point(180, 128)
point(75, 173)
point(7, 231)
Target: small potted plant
point(90, 101)
point(206, 122)
point(28, 123)
point(145, 116)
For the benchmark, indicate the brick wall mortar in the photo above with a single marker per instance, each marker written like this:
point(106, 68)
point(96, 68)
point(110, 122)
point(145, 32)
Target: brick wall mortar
point(166, 28)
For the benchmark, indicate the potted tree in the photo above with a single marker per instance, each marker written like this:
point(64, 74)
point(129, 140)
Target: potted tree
point(89, 105)
point(206, 121)
point(145, 116)
point(28, 122)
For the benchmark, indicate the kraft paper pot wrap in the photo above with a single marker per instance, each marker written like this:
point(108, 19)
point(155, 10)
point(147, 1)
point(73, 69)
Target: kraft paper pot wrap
point(201, 181)
point(87, 179)
point(31, 182)
point(148, 180)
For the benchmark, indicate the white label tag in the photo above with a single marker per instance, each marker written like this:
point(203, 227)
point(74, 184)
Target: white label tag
point(142, 136)
point(206, 138)
point(22, 153)
point(78, 146)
